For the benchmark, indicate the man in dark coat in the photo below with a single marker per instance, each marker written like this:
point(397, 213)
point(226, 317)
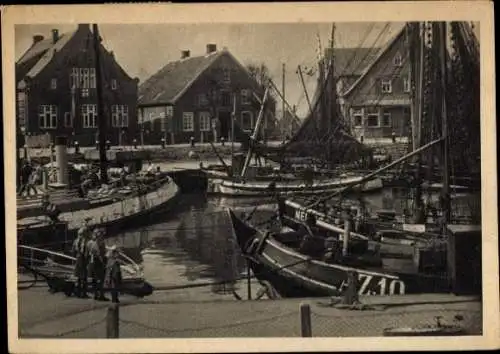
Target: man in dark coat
point(97, 263)
point(26, 171)
point(80, 251)
point(113, 278)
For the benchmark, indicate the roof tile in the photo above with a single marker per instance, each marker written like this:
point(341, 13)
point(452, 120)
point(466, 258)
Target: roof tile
point(168, 82)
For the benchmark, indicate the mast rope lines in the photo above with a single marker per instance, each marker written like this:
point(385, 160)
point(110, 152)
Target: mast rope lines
point(373, 174)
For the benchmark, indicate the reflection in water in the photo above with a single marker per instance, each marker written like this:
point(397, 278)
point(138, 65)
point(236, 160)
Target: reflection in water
point(196, 244)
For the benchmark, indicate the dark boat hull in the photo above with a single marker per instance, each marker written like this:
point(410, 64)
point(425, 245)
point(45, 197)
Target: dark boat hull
point(296, 275)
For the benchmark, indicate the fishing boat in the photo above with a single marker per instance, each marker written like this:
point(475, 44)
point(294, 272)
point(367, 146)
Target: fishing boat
point(294, 187)
point(276, 257)
point(57, 269)
point(323, 140)
point(397, 263)
point(107, 207)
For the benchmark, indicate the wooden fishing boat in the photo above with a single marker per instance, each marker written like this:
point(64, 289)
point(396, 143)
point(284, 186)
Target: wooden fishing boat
point(57, 269)
point(275, 257)
point(262, 188)
point(114, 216)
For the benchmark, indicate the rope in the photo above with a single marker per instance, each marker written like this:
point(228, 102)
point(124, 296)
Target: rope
point(71, 331)
point(230, 325)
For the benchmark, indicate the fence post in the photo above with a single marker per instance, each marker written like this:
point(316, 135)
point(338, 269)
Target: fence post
point(305, 320)
point(112, 321)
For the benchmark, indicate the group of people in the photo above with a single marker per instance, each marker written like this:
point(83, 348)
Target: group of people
point(30, 177)
point(95, 261)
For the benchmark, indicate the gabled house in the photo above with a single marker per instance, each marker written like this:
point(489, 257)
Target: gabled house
point(56, 90)
point(196, 96)
point(376, 100)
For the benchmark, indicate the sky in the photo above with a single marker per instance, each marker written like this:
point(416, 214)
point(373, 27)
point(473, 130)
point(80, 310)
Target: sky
point(143, 49)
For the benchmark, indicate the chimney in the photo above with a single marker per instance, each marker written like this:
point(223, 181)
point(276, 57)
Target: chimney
point(83, 26)
point(37, 38)
point(185, 54)
point(55, 35)
point(211, 48)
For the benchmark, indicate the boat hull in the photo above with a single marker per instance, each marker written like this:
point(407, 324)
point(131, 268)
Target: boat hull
point(296, 275)
point(253, 189)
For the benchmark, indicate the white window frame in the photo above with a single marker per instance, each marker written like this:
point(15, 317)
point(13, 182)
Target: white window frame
point(89, 116)
point(384, 115)
point(187, 121)
point(205, 121)
point(202, 100)
point(85, 92)
point(47, 116)
point(68, 120)
point(114, 84)
point(406, 85)
point(386, 86)
point(119, 116)
point(250, 113)
point(357, 113)
point(74, 78)
point(53, 84)
point(398, 59)
point(368, 116)
point(245, 96)
point(92, 78)
point(84, 78)
point(226, 75)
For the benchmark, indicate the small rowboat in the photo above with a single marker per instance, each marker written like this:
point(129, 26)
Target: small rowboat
point(57, 269)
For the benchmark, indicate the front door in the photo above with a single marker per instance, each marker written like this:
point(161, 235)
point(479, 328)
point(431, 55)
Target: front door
point(225, 124)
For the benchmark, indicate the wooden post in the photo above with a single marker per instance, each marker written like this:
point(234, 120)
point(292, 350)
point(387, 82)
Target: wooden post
point(249, 279)
point(113, 321)
point(305, 320)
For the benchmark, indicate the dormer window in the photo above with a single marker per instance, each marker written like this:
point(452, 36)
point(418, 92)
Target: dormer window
point(398, 59)
point(226, 78)
point(53, 84)
point(114, 84)
point(245, 96)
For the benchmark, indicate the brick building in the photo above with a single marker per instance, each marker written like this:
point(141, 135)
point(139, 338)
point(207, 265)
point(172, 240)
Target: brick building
point(374, 88)
point(195, 97)
point(56, 90)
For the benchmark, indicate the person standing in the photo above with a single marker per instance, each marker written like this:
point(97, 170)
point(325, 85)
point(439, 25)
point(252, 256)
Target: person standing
point(80, 251)
point(97, 263)
point(113, 278)
point(26, 171)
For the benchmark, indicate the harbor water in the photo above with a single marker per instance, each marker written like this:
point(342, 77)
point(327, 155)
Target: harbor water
point(195, 244)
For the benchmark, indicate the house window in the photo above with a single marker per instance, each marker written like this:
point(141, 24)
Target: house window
point(226, 75)
point(372, 117)
point(398, 60)
point(89, 115)
point(74, 82)
point(53, 84)
point(119, 116)
point(84, 78)
point(386, 85)
point(202, 99)
point(246, 120)
point(92, 78)
point(21, 106)
point(245, 96)
point(47, 115)
point(406, 84)
point(85, 92)
point(68, 120)
point(114, 85)
point(386, 119)
point(357, 116)
point(187, 122)
point(204, 121)
point(225, 99)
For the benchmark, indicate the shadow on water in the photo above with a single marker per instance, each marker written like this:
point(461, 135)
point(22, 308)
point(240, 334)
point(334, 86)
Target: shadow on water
point(196, 244)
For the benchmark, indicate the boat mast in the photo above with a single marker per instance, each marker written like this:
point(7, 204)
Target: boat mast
point(446, 168)
point(102, 119)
